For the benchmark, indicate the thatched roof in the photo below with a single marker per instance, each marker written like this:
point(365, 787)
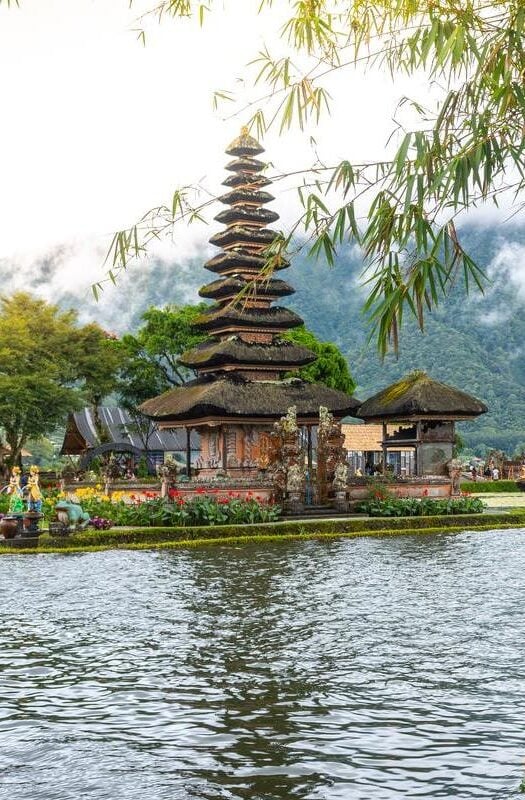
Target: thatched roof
point(246, 213)
point(252, 179)
point(274, 317)
point(244, 145)
point(417, 396)
point(238, 399)
point(235, 351)
point(240, 195)
point(240, 258)
point(259, 236)
point(232, 285)
point(245, 163)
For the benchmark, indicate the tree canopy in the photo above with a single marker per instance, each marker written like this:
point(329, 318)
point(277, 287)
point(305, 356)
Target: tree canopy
point(462, 148)
point(331, 367)
point(49, 365)
point(149, 358)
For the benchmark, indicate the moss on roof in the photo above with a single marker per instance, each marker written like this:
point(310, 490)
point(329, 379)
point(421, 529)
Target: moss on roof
point(418, 395)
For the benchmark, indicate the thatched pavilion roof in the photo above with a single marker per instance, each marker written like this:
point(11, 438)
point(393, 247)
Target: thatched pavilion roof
point(417, 396)
point(236, 398)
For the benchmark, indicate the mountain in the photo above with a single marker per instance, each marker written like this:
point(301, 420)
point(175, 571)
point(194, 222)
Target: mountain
point(472, 341)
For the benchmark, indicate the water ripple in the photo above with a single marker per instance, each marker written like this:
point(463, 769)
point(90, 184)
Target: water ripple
point(364, 669)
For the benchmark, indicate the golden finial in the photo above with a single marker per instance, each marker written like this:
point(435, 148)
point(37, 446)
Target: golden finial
point(245, 131)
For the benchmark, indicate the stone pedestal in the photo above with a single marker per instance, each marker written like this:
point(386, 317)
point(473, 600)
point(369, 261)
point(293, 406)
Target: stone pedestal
point(294, 503)
point(341, 501)
point(31, 522)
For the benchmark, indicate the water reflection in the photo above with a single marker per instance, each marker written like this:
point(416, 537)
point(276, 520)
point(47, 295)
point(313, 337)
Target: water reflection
point(352, 669)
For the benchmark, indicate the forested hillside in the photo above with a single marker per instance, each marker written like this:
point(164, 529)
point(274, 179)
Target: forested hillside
point(474, 342)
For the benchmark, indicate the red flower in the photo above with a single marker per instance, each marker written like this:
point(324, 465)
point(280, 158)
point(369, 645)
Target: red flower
point(200, 490)
point(425, 492)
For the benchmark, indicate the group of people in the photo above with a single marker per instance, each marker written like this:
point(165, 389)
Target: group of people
point(491, 472)
point(24, 491)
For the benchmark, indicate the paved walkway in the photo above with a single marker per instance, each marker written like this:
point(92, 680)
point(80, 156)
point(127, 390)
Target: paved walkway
point(503, 499)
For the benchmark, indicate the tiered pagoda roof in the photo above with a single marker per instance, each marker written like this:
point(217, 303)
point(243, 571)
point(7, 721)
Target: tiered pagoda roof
point(245, 346)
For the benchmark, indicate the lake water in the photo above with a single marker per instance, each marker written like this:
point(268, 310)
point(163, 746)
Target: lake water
point(363, 669)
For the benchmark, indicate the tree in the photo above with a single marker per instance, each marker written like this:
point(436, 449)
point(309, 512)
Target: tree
point(45, 370)
point(149, 359)
point(331, 367)
point(463, 149)
point(149, 365)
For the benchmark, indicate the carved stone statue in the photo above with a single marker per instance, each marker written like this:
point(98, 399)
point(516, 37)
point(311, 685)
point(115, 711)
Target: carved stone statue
point(340, 480)
point(167, 472)
point(295, 478)
point(286, 462)
point(330, 452)
point(454, 471)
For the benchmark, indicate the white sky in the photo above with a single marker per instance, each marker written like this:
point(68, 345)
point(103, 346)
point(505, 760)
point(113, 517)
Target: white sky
point(97, 129)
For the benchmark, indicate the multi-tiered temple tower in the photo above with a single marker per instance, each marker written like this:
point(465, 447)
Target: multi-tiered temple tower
point(242, 386)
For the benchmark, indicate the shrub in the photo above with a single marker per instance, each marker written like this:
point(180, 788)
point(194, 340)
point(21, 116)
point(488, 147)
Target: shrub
point(426, 507)
point(492, 487)
point(179, 511)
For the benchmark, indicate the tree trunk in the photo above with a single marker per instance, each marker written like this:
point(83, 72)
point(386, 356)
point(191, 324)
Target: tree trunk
point(16, 444)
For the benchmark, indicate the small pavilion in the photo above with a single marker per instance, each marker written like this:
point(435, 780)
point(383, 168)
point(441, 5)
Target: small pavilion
point(97, 432)
point(424, 412)
point(245, 369)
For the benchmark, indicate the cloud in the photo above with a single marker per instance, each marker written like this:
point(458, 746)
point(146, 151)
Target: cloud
point(509, 265)
point(66, 273)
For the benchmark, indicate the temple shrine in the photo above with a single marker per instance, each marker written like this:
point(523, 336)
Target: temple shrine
point(245, 369)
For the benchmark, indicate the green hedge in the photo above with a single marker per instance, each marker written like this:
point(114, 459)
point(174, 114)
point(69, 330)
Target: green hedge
point(490, 487)
point(117, 536)
point(301, 532)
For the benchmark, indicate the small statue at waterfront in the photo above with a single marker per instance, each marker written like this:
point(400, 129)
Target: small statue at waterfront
point(34, 494)
point(72, 515)
point(14, 490)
